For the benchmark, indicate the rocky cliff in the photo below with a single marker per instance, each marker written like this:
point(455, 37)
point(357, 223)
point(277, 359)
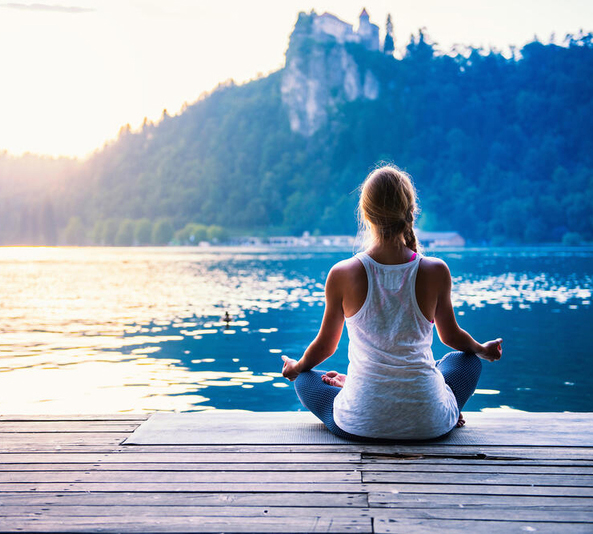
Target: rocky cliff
point(321, 71)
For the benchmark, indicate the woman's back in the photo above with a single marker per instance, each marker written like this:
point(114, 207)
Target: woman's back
point(393, 389)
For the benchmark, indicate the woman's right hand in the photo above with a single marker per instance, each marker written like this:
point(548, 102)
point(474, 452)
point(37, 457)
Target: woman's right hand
point(492, 350)
point(290, 369)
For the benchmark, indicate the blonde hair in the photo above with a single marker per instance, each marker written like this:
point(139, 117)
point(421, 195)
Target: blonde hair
point(387, 207)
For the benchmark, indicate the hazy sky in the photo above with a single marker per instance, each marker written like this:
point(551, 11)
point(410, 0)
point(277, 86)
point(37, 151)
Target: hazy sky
point(73, 72)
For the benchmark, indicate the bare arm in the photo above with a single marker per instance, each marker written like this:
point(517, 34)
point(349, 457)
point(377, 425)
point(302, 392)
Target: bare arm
point(326, 342)
point(450, 332)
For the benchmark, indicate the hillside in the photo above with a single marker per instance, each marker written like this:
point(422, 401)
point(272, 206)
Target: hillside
point(500, 149)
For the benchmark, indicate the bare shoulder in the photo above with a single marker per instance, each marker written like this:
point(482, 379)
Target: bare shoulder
point(346, 272)
point(347, 281)
point(434, 268)
point(352, 267)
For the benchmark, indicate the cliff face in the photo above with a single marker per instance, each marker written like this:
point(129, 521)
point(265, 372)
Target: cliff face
point(321, 72)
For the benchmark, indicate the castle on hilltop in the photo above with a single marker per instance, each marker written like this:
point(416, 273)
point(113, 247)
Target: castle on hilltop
point(322, 71)
point(329, 27)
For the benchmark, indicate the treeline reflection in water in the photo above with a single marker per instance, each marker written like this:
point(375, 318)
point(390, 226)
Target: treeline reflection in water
point(107, 330)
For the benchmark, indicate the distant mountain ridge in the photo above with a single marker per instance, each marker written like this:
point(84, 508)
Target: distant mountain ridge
point(500, 149)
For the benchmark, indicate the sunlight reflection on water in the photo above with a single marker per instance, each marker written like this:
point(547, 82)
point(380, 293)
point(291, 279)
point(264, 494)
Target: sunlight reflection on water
point(92, 330)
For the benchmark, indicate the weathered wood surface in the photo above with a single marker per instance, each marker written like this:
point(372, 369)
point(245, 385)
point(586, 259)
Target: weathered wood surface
point(74, 474)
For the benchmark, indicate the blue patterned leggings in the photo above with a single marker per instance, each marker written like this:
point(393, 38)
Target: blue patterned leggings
point(461, 371)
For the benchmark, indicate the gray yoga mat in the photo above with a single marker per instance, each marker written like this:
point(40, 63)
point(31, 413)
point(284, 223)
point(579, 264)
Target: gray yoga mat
point(294, 428)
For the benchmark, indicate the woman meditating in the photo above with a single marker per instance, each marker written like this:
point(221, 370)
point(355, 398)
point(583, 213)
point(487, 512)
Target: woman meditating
point(390, 296)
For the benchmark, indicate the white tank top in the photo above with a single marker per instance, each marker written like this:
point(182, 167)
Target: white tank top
point(393, 389)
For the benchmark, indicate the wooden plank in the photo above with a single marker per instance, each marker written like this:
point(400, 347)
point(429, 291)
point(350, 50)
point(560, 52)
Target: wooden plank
point(509, 513)
point(407, 477)
point(388, 451)
point(296, 487)
point(204, 511)
point(114, 446)
point(500, 469)
point(63, 427)
point(575, 472)
point(61, 438)
point(485, 489)
point(452, 464)
point(548, 515)
point(224, 487)
point(189, 524)
point(179, 458)
point(219, 498)
point(387, 499)
point(424, 526)
point(76, 417)
point(468, 452)
point(62, 447)
point(429, 460)
point(555, 515)
point(149, 468)
point(12, 477)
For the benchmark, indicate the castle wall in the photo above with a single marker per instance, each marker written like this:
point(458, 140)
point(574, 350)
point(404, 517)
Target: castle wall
point(368, 34)
point(330, 25)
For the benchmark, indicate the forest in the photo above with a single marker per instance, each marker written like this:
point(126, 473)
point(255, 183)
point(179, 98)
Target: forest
point(500, 149)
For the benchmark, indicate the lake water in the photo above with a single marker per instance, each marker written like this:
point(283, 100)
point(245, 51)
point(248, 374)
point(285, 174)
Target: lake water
point(108, 330)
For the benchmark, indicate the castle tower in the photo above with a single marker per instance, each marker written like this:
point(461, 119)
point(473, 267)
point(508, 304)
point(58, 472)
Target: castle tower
point(368, 32)
point(364, 16)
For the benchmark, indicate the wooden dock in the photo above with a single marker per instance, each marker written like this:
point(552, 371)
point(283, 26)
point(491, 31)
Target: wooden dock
point(73, 474)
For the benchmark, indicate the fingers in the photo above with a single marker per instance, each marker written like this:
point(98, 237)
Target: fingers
point(330, 380)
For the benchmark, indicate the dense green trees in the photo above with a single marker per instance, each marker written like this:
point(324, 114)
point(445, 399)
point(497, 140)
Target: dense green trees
point(74, 233)
point(125, 233)
point(501, 149)
point(142, 232)
point(389, 45)
point(162, 232)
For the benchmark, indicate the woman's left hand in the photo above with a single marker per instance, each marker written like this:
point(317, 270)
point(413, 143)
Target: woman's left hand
point(290, 369)
point(333, 378)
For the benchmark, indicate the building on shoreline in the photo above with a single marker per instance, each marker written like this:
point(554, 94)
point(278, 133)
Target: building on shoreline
point(440, 239)
point(428, 239)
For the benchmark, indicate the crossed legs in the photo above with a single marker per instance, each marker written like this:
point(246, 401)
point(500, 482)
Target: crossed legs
point(461, 371)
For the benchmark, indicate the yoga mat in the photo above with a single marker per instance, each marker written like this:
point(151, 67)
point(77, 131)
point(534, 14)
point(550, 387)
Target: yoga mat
point(294, 428)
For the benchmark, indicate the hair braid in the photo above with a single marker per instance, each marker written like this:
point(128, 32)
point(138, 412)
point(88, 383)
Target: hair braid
point(410, 238)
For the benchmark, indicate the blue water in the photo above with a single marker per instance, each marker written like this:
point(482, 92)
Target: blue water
point(105, 330)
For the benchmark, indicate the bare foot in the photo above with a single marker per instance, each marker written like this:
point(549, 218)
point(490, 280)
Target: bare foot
point(461, 421)
point(333, 378)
